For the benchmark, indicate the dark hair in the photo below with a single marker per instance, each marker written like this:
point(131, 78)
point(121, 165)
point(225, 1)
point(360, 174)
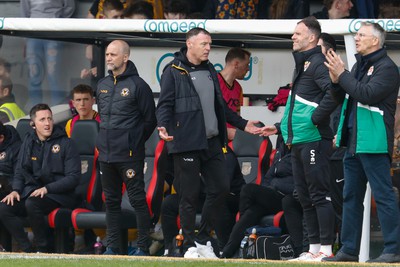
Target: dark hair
point(328, 4)
point(328, 40)
point(109, 5)
point(38, 107)
point(196, 31)
point(2, 129)
point(176, 6)
point(139, 8)
point(236, 52)
point(82, 89)
point(312, 24)
point(6, 83)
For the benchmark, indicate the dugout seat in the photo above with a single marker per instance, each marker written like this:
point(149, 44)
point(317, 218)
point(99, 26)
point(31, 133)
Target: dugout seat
point(23, 127)
point(154, 184)
point(89, 189)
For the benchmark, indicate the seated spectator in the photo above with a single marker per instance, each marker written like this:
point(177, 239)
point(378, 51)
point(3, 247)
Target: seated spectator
point(176, 9)
point(97, 8)
point(48, 170)
point(10, 144)
point(139, 10)
point(257, 201)
point(83, 101)
point(9, 110)
point(389, 9)
point(228, 9)
point(334, 9)
point(285, 9)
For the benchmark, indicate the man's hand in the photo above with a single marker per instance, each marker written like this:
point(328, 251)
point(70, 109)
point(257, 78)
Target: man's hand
point(335, 65)
point(162, 132)
point(39, 192)
point(268, 130)
point(251, 128)
point(9, 199)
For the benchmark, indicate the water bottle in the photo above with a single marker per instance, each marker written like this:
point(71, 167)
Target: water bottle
point(179, 244)
point(251, 251)
point(243, 246)
point(98, 246)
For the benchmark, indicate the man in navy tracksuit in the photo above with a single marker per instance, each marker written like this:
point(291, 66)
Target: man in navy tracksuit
point(305, 127)
point(47, 173)
point(369, 95)
point(127, 112)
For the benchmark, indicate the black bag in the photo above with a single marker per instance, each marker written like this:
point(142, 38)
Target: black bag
point(270, 247)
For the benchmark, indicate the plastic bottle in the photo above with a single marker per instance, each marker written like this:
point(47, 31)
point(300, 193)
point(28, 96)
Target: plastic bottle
point(251, 251)
point(243, 246)
point(98, 246)
point(179, 243)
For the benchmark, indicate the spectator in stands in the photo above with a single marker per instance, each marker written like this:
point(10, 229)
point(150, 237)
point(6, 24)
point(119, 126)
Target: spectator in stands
point(9, 110)
point(44, 56)
point(83, 101)
point(228, 9)
point(139, 10)
point(257, 201)
point(48, 170)
point(334, 9)
point(111, 9)
point(197, 134)
point(10, 143)
point(389, 9)
point(176, 9)
point(127, 112)
point(96, 10)
point(286, 9)
point(373, 82)
point(310, 137)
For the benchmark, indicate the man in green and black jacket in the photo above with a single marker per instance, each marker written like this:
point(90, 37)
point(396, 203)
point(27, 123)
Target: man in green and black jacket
point(369, 94)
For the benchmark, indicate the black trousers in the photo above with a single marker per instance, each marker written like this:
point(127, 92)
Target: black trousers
point(112, 178)
point(255, 202)
point(295, 224)
point(310, 163)
point(35, 209)
point(188, 165)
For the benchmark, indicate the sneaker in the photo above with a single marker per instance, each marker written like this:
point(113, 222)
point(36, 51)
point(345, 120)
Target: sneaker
point(206, 251)
point(140, 252)
point(305, 256)
point(341, 257)
point(191, 253)
point(110, 251)
point(386, 258)
point(318, 257)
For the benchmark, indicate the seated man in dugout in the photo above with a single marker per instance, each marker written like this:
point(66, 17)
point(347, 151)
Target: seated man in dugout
point(48, 171)
point(83, 101)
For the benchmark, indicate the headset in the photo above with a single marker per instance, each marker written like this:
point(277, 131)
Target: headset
point(32, 124)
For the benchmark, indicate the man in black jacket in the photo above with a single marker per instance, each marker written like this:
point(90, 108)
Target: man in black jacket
point(127, 112)
point(48, 170)
point(10, 143)
point(192, 118)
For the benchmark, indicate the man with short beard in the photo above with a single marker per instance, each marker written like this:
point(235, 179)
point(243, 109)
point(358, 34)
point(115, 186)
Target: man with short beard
point(127, 113)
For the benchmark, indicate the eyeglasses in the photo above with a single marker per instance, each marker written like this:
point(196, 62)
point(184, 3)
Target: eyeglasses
point(362, 35)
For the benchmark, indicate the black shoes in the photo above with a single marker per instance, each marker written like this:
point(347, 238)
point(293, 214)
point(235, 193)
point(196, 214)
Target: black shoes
point(341, 256)
point(387, 258)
